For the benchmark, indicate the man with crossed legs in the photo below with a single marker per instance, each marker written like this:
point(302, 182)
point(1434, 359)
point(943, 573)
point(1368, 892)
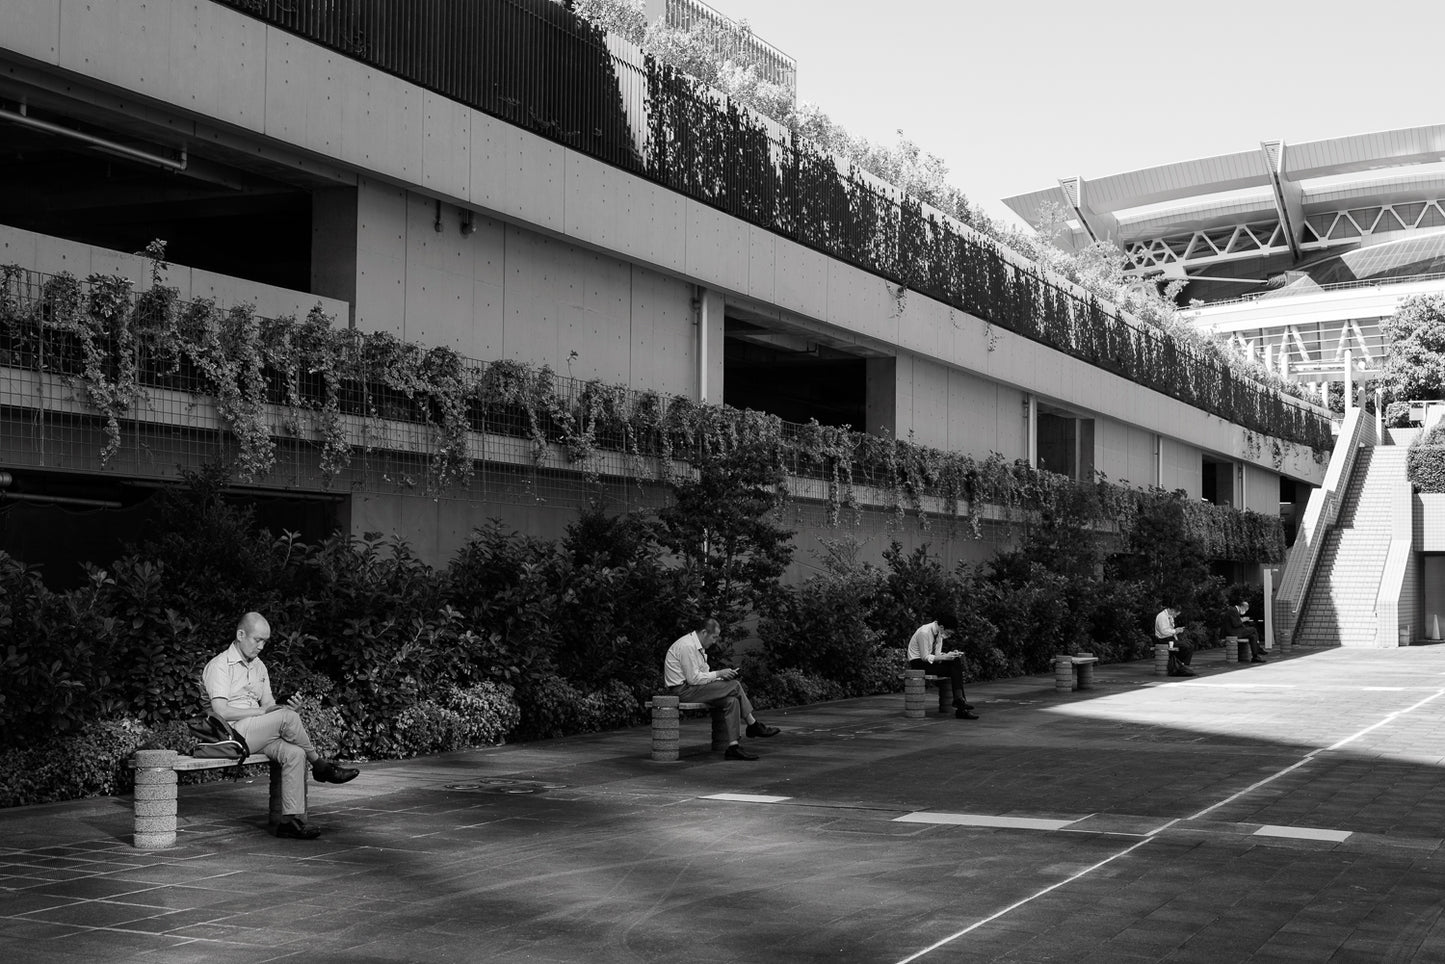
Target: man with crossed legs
point(240, 692)
point(685, 673)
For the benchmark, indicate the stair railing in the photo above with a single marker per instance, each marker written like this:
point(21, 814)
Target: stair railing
point(1321, 513)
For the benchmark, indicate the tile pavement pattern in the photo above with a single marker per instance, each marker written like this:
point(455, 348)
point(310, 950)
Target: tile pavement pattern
point(1288, 812)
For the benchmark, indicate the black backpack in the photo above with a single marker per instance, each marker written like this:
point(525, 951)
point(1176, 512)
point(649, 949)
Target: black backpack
point(218, 740)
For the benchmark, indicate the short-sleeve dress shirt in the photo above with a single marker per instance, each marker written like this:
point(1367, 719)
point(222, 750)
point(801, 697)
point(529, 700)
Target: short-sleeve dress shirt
point(1164, 626)
point(243, 685)
point(927, 642)
point(686, 662)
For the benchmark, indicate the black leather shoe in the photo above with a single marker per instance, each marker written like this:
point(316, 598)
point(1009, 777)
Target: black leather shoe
point(1259, 659)
point(736, 752)
point(328, 772)
point(296, 829)
point(962, 705)
point(759, 728)
point(964, 714)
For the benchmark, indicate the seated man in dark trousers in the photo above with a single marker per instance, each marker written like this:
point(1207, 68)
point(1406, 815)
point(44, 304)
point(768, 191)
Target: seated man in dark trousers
point(1238, 624)
point(686, 675)
point(925, 652)
point(1165, 632)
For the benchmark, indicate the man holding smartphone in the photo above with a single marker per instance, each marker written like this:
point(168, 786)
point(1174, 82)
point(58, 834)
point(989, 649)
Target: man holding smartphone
point(240, 692)
point(925, 652)
point(686, 675)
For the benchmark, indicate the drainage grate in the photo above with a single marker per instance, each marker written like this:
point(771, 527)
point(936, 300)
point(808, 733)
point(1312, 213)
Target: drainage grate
point(507, 786)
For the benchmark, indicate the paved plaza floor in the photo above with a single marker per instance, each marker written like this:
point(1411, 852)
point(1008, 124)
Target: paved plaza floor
point(1288, 812)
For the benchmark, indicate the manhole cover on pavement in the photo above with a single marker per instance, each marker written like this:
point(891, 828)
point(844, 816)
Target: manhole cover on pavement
point(507, 786)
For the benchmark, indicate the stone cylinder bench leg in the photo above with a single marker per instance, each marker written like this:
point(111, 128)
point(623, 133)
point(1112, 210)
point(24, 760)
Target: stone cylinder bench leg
point(1161, 660)
point(913, 695)
point(1231, 649)
point(666, 728)
point(155, 799)
point(1063, 674)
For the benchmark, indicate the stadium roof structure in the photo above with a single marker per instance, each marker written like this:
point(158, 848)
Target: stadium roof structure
point(1242, 223)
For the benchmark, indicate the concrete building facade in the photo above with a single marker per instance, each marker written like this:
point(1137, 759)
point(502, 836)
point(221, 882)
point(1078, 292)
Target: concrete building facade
point(409, 212)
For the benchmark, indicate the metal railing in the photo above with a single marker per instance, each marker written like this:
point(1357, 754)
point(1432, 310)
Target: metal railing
point(533, 64)
point(1331, 286)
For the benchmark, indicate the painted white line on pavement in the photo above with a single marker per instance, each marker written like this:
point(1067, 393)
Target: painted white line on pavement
point(1302, 833)
point(982, 820)
point(1389, 718)
point(1253, 686)
point(746, 798)
point(1015, 906)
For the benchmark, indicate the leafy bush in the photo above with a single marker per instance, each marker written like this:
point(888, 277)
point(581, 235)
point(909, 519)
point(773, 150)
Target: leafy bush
point(773, 688)
point(88, 763)
point(1425, 462)
point(487, 712)
point(425, 727)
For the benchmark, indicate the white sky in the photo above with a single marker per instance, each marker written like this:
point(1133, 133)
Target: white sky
point(1014, 94)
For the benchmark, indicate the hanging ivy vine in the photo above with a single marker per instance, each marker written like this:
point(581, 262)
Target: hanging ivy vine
point(269, 377)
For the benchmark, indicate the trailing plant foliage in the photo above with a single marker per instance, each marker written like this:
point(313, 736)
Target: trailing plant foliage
point(271, 376)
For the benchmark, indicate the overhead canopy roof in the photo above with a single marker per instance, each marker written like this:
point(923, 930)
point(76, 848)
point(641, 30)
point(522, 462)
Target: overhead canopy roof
point(1288, 183)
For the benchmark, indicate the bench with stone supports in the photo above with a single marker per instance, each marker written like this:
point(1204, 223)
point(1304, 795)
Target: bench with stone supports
point(1074, 672)
point(156, 780)
point(914, 681)
point(667, 725)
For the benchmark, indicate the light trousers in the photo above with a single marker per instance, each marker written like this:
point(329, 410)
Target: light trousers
point(282, 736)
point(728, 693)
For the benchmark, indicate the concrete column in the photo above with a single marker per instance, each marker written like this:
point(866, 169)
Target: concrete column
point(880, 396)
point(711, 323)
point(333, 246)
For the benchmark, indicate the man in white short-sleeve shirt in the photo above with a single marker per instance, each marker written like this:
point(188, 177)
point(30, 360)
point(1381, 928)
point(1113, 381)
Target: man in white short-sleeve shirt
point(239, 688)
point(686, 675)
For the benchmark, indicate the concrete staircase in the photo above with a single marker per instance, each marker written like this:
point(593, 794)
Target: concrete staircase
point(1340, 607)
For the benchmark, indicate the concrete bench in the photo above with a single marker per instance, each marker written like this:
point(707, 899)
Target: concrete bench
point(1074, 672)
point(155, 792)
point(667, 729)
point(913, 685)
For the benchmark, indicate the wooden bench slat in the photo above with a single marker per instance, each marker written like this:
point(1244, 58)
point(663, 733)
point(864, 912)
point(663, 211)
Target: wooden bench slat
point(184, 762)
point(684, 706)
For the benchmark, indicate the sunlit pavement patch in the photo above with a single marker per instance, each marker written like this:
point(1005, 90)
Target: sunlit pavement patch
point(745, 798)
point(1302, 833)
point(982, 820)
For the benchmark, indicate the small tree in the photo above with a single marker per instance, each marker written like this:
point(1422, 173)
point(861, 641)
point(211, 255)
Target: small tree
point(1415, 348)
point(723, 530)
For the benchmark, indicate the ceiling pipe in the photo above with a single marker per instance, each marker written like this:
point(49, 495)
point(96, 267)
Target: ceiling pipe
point(58, 500)
point(99, 143)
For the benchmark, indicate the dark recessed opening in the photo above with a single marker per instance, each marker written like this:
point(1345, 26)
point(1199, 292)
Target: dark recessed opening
point(212, 216)
point(794, 382)
point(57, 521)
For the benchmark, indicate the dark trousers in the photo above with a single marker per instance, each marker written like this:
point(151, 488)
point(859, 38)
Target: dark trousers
point(952, 668)
point(1184, 657)
point(1251, 634)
